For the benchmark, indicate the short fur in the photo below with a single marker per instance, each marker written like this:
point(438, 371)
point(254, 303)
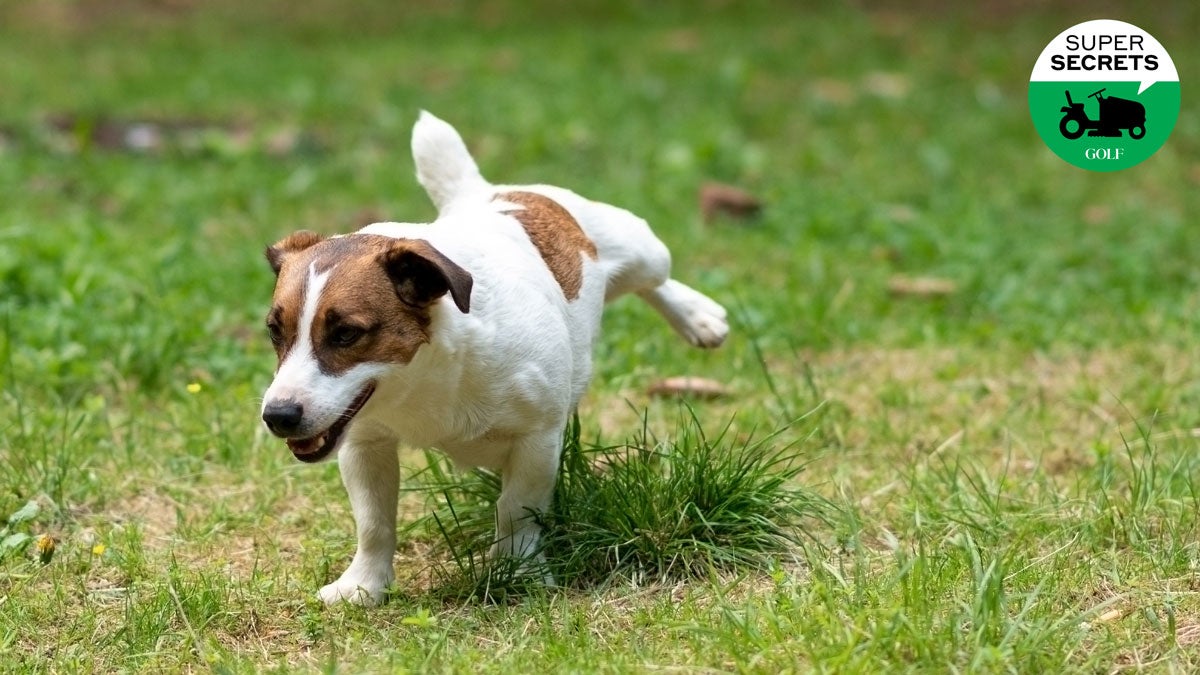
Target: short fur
point(555, 234)
point(471, 334)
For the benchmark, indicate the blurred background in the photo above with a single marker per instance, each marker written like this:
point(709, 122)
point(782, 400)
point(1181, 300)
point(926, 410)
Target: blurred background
point(882, 140)
point(982, 325)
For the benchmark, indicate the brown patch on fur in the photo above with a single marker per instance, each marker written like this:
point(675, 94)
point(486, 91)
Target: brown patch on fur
point(379, 289)
point(557, 236)
point(293, 243)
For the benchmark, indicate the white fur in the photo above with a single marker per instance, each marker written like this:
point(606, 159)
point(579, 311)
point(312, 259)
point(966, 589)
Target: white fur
point(494, 387)
point(445, 169)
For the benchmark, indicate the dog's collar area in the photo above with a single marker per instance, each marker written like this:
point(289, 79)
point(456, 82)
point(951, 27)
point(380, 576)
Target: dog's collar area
point(315, 448)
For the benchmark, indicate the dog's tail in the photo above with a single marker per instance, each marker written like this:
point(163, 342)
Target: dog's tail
point(444, 166)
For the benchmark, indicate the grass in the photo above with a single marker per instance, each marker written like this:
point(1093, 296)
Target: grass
point(1009, 469)
point(650, 511)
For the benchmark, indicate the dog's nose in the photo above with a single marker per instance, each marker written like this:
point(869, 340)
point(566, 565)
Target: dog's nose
point(283, 417)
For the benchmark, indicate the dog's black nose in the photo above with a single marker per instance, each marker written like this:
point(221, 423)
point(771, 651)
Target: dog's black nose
point(283, 417)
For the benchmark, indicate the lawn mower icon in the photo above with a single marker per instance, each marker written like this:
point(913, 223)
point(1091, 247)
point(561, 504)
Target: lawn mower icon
point(1115, 114)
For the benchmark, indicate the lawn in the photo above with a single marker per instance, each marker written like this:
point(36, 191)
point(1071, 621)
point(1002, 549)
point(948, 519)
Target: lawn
point(1008, 465)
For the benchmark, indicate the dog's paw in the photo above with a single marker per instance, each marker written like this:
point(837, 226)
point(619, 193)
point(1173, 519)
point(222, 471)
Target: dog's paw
point(696, 317)
point(531, 566)
point(704, 329)
point(520, 555)
point(701, 321)
point(367, 592)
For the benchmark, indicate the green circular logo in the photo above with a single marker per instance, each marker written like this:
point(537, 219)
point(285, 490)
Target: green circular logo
point(1104, 95)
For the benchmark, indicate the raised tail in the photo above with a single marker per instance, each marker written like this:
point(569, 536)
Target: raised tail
point(444, 166)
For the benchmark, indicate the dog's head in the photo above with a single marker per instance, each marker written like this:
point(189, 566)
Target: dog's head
point(346, 312)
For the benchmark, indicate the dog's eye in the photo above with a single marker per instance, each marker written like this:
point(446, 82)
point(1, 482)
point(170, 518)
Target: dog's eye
point(276, 333)
point(344, 336)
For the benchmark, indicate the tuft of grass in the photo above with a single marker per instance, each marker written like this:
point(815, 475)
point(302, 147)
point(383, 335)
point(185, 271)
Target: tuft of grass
point(649, 510)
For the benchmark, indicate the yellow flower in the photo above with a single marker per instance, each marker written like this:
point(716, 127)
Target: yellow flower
point(99, 549)
point(193, 387)
point(45, 548)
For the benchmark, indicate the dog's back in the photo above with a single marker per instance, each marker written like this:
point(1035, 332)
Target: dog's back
point(630, 258)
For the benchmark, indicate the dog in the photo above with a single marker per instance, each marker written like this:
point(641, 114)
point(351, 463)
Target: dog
point(472, 334)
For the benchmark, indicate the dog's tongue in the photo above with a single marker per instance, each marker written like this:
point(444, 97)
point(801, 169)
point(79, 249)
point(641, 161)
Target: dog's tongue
point(305, 446)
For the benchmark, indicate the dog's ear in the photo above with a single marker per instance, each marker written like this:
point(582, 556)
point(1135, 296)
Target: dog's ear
point(421, 274)
point(297, 241)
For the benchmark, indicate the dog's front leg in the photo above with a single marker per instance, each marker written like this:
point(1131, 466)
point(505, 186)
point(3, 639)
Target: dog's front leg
point(371, 473)
point(527, 487)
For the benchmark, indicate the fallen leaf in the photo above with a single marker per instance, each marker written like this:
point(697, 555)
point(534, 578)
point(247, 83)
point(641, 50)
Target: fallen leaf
point(719, 198)
point(688, 386)
point(921, 287)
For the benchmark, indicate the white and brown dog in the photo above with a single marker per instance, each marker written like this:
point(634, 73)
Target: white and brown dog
point(472, 334)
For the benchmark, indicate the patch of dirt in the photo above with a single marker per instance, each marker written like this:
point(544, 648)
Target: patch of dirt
point(156, 513)
point(71, 133)
point(1042, 410)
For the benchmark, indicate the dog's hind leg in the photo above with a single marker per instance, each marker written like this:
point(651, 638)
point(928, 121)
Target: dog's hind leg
point(527, 488)
point(695, 316)
point(371, 473)
point(636, 261)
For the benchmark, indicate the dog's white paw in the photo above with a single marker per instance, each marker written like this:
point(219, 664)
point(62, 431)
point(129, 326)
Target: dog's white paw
point(705, 329)
point(533, 566)
point(694, 315)
point(701, 321)
point(364, 590)
point(522, 549)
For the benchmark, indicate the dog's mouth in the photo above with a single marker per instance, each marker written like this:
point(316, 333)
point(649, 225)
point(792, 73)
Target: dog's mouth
point(315, 448)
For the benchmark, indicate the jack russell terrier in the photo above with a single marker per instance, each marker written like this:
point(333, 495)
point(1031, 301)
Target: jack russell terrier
point(472, 334)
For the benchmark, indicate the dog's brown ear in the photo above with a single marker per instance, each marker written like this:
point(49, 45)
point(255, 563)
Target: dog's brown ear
point(297, 241)
point(421, 274)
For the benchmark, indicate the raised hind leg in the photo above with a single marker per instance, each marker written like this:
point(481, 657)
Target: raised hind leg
point(695, 316)
point(636, 261)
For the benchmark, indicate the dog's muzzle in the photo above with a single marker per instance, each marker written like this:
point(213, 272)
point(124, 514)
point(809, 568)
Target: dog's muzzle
point(285, 419)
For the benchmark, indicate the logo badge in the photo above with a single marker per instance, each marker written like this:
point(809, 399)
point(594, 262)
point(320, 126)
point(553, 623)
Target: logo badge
point(1104, 95)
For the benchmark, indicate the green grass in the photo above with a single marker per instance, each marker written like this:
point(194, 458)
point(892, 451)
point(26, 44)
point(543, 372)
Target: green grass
point(1008, 472)
point(649, 511)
